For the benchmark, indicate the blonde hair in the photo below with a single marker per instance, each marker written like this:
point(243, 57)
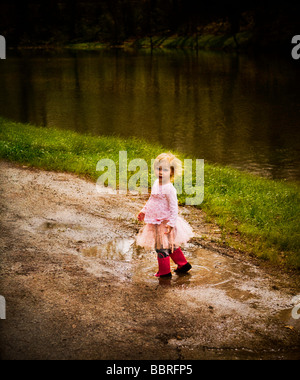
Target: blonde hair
point(173, 161)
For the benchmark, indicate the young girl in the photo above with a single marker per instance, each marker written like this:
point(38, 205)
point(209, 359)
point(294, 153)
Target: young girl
point(165, 231)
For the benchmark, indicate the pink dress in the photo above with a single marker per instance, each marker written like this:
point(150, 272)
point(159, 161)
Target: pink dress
point(161, 211)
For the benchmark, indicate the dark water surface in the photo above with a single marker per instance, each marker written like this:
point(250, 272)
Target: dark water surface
point(226, 108)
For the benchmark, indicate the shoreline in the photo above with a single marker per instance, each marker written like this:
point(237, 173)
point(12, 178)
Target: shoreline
point(241, 43)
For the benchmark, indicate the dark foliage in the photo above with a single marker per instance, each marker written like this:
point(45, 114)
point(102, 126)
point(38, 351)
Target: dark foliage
point(54, 22)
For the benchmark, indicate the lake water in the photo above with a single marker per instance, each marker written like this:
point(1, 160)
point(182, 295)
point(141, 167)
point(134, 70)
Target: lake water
point(225, 108)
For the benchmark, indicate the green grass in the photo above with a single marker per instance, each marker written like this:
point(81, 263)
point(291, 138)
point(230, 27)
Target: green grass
point(256, 215)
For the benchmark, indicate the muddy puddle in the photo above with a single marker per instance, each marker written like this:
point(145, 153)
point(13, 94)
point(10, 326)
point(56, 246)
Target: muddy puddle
point(229, 289)
point(209, 268)
point(73, 278)
point(230, 282)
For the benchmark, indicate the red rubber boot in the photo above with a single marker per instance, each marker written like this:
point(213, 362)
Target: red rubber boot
point(179, 259)
point(164, 266)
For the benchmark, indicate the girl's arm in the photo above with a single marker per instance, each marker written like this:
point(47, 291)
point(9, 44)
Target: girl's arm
point(173, 204)
point(142, 213)
point(144, 209)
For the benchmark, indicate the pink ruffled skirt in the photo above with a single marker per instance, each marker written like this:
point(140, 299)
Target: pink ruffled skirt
point(153, 236)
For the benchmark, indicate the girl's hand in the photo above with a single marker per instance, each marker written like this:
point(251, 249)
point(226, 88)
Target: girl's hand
point(141, 216)
point(169, 230)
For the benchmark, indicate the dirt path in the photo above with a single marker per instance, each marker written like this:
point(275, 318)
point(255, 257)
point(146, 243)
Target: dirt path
point(77, 288)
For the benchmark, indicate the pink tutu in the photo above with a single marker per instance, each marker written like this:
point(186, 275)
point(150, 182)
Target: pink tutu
point(152, 236)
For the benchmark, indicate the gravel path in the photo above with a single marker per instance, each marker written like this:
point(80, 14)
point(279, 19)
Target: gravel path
point(76, 287)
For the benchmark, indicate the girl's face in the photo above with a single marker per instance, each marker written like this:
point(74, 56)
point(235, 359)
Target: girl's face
point(163, 172)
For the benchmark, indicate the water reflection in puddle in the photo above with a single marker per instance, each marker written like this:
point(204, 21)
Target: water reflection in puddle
point(209, 269)
point(120, 250)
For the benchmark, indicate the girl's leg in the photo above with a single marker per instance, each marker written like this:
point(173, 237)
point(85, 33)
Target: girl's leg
point(178, 257)
point(164, 265)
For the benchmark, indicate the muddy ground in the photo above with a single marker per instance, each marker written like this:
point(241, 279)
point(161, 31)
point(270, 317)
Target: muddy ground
point(76, 287)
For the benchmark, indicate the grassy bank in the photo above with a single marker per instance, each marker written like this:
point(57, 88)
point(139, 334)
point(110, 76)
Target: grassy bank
point(255, 214)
